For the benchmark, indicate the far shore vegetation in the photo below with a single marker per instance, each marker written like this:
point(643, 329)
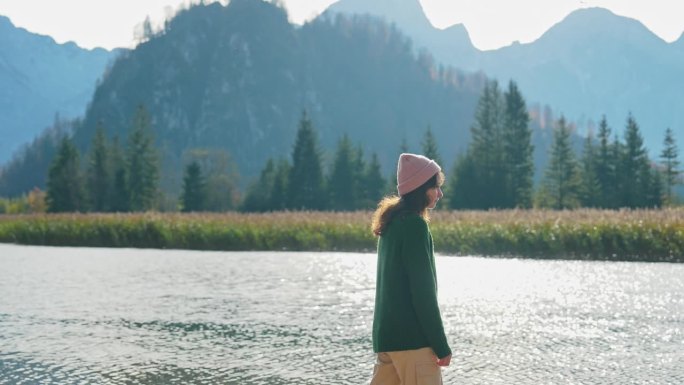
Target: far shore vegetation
point(625, 235)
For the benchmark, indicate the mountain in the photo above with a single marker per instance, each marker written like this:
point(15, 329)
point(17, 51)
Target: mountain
point(451, 45)
point(591, 63)
point(39, 79)
point(594, 63)
point(238, 77)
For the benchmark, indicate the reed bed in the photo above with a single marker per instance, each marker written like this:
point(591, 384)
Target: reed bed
point(628, 235)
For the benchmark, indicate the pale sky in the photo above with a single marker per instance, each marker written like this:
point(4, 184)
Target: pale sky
point(491, 23)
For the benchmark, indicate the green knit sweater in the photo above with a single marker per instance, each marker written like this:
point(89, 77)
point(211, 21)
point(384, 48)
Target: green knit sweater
point(406, 311)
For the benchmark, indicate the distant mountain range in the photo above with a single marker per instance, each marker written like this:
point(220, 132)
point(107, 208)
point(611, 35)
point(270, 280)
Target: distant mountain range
point(591, 63)
point(238, 78)
point(39, 79)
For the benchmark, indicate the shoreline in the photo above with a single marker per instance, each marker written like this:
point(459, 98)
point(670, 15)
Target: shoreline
point(630, 235)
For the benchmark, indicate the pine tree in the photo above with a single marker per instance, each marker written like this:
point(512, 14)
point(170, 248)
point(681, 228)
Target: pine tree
point(342, 182)
point(518, 149)
point(277, 195)
point(590, 189)
point(479, 177)
point(220, 174)
point(374, 182)
point(359, 172)
point(617, 151)
point(430, 146)
point(654, 192)
point(486, 148)
point(64, 185)
point(561, 181)
point(670, 164)
point(119, 197)
point(605, 167)
point(463, 186)
point(98, 172)
point(194, 193)
point(142, 166)
point(305, 183)
point(635, 167)
point(258, 194)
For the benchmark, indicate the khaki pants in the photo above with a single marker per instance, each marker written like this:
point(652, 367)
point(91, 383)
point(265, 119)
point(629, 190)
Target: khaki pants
point(407, 367)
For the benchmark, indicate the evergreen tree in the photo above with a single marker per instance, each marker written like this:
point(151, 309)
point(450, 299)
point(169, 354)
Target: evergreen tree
point(590, 189)
point(359, 176)
point(98, 172)
point(670, 164)
point(342, 182)
point(277, 195)
point(605, 167)
point(305, 184)
point(142, 167)
point(194, 193)
point(654, 192)
point(220, 174)
point(561, 181)
point(64, 184)
point(464, 188)
point(518, 150)
point(430, 147)
point(635, 168)
point(119, 197)
point(617, 151)
point(258, 194)
point(374, 182)
point(487, 148)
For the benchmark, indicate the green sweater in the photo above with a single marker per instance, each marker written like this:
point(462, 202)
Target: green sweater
point(406, 314)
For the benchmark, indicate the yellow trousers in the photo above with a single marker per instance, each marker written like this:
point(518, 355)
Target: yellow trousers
point(407, 367)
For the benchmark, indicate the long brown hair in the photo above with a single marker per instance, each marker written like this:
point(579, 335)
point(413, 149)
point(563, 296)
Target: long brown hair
point(415, 201)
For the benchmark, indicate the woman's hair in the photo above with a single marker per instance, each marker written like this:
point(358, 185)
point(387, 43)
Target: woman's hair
point(415, 201)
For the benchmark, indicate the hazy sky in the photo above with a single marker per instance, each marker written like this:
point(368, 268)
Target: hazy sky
point(491, 23)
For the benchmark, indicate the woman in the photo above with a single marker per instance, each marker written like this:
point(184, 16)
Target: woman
point(408, 335)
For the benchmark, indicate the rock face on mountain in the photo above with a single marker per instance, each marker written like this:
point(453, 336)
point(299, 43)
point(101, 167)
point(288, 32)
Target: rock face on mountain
point(39, 79)
point(591, 63)
point(238, 77)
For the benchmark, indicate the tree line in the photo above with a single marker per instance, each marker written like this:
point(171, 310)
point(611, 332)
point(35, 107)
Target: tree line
point(353, 182)
point(117, 179)
point(112, 179)
point(495, 172)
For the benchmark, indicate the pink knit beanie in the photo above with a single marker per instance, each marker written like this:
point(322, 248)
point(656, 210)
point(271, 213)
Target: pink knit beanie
point(414, 170)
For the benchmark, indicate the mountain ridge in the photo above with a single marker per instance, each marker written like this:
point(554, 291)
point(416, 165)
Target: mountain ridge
point(238, 77)
point(591, 63)
point(41, 79)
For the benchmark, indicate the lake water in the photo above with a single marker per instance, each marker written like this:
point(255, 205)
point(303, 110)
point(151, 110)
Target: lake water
point(125, 316)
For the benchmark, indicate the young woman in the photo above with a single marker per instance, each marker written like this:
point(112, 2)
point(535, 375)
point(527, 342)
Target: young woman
point(408, 335)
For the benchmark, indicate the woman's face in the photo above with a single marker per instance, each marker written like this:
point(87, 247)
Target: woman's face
point(434, 194)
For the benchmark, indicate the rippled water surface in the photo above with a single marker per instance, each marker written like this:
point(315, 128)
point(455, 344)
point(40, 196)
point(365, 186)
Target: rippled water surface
point(123, 316)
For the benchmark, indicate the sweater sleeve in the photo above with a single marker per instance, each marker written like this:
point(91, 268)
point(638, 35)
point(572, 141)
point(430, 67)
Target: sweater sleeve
point(417, 257)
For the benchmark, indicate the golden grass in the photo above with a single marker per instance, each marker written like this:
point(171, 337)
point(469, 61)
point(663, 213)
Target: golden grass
point(645, 235)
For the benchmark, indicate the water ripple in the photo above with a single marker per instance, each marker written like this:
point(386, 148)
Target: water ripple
point(124, 317)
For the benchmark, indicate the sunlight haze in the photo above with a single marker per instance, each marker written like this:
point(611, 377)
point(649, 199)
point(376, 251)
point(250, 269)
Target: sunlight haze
point(490, 23)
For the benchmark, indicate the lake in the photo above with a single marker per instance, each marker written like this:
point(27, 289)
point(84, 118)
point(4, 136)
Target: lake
point(128, 316)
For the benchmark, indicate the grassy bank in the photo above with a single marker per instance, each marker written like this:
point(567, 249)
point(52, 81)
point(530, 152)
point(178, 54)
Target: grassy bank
point(656, 235)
